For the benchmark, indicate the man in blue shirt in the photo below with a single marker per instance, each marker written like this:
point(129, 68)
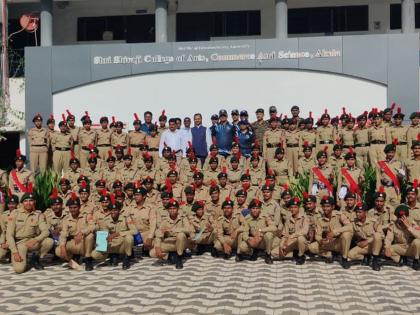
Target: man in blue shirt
point(223, 132)
point(148, 116)
point(246, 138)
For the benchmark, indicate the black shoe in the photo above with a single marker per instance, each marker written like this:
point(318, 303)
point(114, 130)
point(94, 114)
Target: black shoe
point(126, 263)
point(254, 255)
point(239, 258)
point(345, 263)
point(226, 256)
point(268, 259)
point(179, 264)
point(366, 260)
point(88, 264)
point(403, 261)
point(172, 258)
point(113, 260)
point(329, 260)
point(300, 260)
point(376, 265)
point(416, 264)
point(201, 249)
point(214, 253)
point(36, 263)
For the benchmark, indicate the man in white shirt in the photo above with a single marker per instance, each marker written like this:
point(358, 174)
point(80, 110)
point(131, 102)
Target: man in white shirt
point(172, 138)
point(186, 137)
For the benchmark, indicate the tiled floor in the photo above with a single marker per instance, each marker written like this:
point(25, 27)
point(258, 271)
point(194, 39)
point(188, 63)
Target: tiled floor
point(212, 286)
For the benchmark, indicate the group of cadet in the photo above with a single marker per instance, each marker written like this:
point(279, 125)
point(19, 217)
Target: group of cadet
point(224, 189)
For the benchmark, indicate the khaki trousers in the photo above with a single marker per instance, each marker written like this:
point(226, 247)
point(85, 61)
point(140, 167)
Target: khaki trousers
point(172, 244)
point(38, 159)
point(292, 155)
point(412, 250)
point(266, 243)
point(299, 243)
point(83, 248)
point(362, 157)
point(42, 248)
point(340, 245)
point(376, 153)
point(233, 243)
point(374, 248)
point(122, 245)
point(61, 161)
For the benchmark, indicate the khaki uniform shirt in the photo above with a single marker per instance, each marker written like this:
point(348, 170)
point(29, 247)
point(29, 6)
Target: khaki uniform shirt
point(413, 169)
point(377, 133)
point(73, 226)
point(38, 139)
point(305, 165)
point(361, 135)
point(25, 176)
point(136, 137)
point(127, 175)
point(324, 134)
point(260, 224)
point(296, 227)
point(282, 169)
point(23, 225)
point(382, 178)
point(259, 128)
point(384, 218)
point(338, 223)
point(214, 209)
point(61, 140)
point(398, 234)
point(365, 230)
point(347, 137)
point(119, 139)
point(75, 133)
point(123, 225)
point(227, 226)
point(87, 137)
point(104, 137)
point(73, 176)
point(180, 224)
point(397, 132)
point(145, 220)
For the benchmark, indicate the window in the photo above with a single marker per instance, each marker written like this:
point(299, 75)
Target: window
point(205, 25)
point(395, 16)
point(131, 28)
point(328, 19)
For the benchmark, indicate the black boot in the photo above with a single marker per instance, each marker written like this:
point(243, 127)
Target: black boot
point(113, 260)
point(345, 263)
point(201, 249)
point(403, 261)
point(300, 260)
point(36, 262)
point(214, 253)
point(329, 260)
point(366, 260)
point(179, 264)
point(239, 257)
point(126, 263)
point(416, 264)
point(254, 255)
point(268, 259)
point(88, 264)
point(172, 258)
point(376, 265)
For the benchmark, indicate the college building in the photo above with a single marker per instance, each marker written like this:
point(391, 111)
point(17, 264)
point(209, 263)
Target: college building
point(117, 57)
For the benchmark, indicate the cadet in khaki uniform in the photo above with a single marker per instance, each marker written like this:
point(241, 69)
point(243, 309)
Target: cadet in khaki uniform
point(413, 132)
point(377, 139)
point(121, 231)
point(93, 172)
point(73, 172)
point(321, 177)
point(76, 237)
point(152, 142)
point(281, 167)
point(399, 132)
point(201, 191)
point(325, 134)
point(333, 233)
point(109, 173)
point(103, 142)
point(361, 141)
point(307, 161)
point(256, 172)
point(143, 216)
point(12, 202)
point(403, 238)
point(307, 137)
point(271, 140)
point(136, 137)
point(413, 165)
point(228, 229)
point(39, 142)
point(411, 195)
point(294, 234)
point(26, 232)
point(260, 126)
point(202, 223)
point(313, 213)
point(214, 206)
point(62, 144)
point(291, 137)
point(128, 173)
point(336, 160)
point(368, 235)
point(270, 207)
point(118, 137)
point(226, 190)
point(346, 135)
point(87, 137)
point(20, 178)
point(74, 131)
point(172, 235)
point(234, 172)
point(55, 215)
point(383, 214)
point(389, 175)
point(258, 234)
point(349, 177)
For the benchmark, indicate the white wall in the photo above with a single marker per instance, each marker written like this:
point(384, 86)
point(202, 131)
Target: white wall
point(185, 93)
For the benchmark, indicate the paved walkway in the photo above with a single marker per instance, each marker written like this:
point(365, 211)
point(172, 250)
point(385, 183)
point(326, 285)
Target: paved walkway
point(212, 286)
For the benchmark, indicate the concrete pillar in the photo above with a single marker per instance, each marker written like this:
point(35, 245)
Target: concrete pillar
point(46, 23)
point(161, 21)
point(281, 19)
point(408, 23)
